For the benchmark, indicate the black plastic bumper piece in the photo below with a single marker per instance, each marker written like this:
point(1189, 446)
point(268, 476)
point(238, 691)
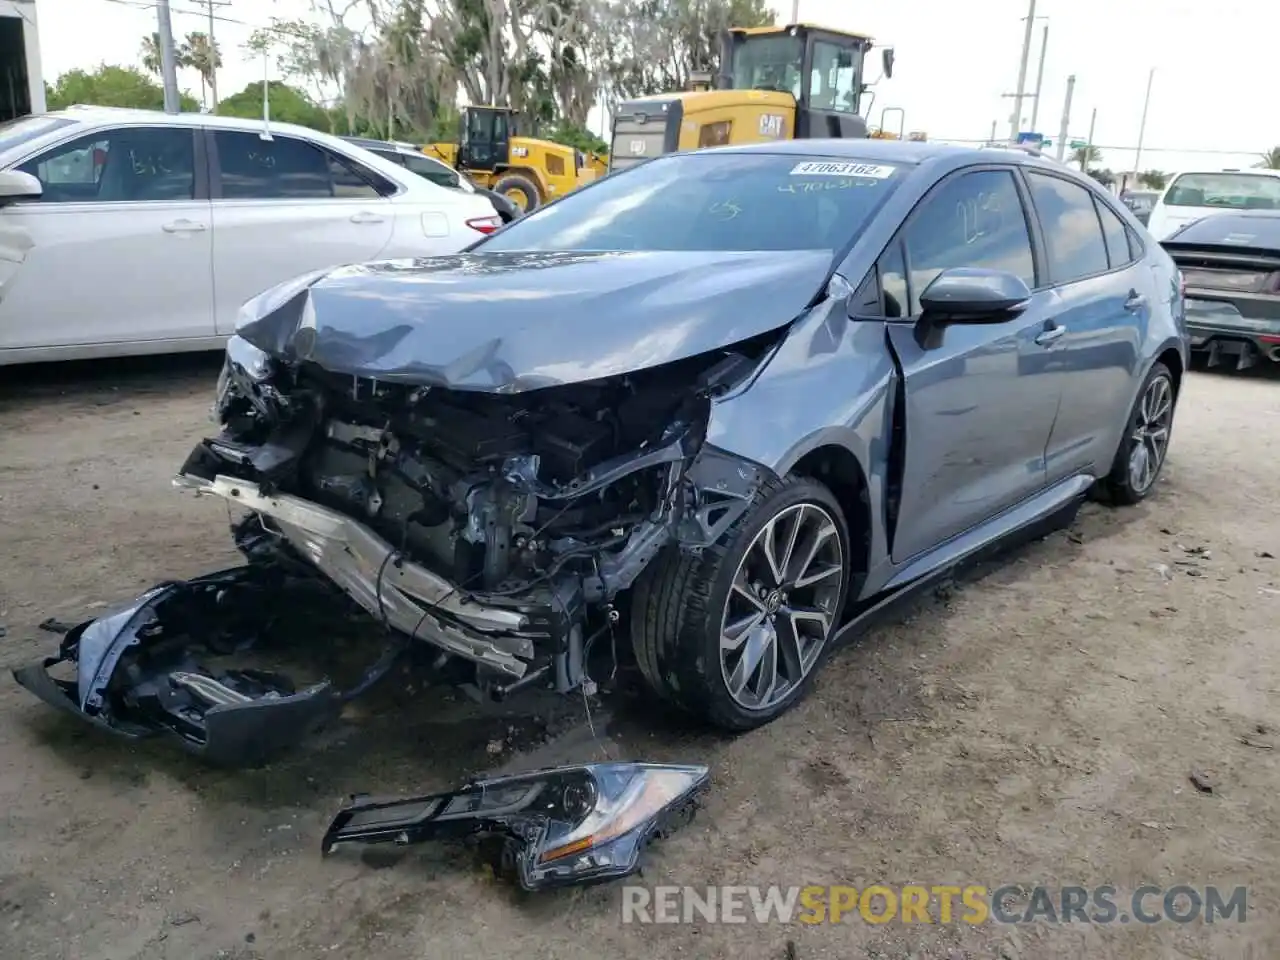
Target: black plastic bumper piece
point(137, 675)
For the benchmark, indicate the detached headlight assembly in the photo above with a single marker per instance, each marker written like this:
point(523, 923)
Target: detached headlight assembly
point(565, 825)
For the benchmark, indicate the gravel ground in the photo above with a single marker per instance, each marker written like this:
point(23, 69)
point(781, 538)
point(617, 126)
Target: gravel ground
point(1039, 723)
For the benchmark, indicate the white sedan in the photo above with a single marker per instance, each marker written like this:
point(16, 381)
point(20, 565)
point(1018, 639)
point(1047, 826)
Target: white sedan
point(130, 231)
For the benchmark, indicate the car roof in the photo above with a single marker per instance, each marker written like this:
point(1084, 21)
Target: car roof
point(395, 146)
point(1260, 171)
point(896, 151)
point(95, 114)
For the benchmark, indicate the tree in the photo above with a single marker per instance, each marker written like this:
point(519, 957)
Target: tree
point(1086, 156)
point(1270, 160)
point(1104, 177)
point(202, 55)
point(151, 61)
point(110, 86)
point(287, 105)
point(654, 45)
point(1153, 179)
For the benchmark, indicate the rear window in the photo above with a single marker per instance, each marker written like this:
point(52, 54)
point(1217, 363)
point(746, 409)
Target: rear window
point(1239, 191)
point(1232, 230)
point(16, 132)
point(712, 201)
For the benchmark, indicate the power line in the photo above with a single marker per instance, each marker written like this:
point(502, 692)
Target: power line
point(269, 28)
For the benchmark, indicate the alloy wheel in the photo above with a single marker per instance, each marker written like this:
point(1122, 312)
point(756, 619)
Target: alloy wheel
point(1149, 434)
point(782, 606)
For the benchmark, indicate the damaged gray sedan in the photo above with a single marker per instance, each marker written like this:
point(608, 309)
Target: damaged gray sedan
point(736, 400)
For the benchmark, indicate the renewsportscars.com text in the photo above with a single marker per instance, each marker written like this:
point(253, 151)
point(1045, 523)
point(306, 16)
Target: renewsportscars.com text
point(941, 903)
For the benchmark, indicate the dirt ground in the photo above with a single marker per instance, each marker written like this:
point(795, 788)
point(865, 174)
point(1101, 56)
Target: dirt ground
point(1036, 724)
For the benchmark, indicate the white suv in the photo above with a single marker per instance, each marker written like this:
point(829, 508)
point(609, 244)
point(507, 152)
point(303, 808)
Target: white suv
point(130, 231)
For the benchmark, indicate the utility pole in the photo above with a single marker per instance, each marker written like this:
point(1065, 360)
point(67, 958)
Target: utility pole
point(1088, 144)
point(1142, 127)
point(795, 11)
point(993, 132)
point(1065, 129)
point(1035, 107)
point(168, 58)
point(1015, 121)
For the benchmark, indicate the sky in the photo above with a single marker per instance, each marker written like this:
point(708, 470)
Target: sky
point(954, 61)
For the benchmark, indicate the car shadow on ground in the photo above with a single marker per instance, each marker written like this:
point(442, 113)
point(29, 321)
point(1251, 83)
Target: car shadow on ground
point(100, 379)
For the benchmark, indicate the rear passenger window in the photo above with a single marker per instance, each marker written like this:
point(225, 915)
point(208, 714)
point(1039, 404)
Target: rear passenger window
point(1135, 245)
point(1072, 233)
point(1116, 235)
point(283, 168)
point(973, 220)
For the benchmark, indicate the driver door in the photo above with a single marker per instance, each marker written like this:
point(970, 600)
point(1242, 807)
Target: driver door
point(117, 249)
point(979, 404)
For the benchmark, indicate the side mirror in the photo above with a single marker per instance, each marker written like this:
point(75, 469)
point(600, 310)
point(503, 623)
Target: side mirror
point(16, 185)
point(886, 61)
point(974, 295)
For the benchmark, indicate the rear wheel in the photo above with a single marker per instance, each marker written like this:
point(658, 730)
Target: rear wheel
point(737, 633)
point(519, 189)
point(1145, 442)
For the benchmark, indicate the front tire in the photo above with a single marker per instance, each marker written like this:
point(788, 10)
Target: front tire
point(1145, 442)
point(520, 190)
point(736, 634)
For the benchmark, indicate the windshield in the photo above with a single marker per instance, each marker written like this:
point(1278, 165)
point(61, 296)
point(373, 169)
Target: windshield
point(15, 132)
point(1241, 191)
point(712, 201)
point(1234, 230)
point(768, 63)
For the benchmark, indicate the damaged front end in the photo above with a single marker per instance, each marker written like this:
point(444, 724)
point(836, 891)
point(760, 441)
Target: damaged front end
point(499, 527)
point(554, 827)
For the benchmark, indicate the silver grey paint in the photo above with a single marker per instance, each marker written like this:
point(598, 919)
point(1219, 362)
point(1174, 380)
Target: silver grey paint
point(512, 322)
point(1000, 429)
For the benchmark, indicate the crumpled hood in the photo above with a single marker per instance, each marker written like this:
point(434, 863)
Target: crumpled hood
point(513, 322)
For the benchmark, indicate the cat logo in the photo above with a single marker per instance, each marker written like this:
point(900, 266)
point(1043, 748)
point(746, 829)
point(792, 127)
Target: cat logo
point(771, 125)
point(519, 151)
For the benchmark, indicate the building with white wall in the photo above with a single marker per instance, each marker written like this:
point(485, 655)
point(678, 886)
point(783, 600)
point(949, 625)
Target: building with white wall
point(21, 80)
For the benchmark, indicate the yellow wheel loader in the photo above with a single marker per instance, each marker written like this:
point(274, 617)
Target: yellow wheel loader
point(776, 83)
point(528, 171)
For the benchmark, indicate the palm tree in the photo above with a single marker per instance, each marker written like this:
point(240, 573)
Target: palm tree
point(203, 56)
point(1270, 159)
point(1153, 179)
point(1086, 156)
point(151, 54)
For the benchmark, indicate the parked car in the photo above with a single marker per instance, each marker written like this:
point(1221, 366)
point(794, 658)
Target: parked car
point(1192, 195)
point(1140, 203)
point(1230, 263)
point(132, 231)
point(742, 397)
point(437, 171)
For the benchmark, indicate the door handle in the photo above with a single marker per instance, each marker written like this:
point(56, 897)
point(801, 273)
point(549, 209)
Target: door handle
point(183, 226)
point(1050, 333)
point(1135, 302)
point(365, 216)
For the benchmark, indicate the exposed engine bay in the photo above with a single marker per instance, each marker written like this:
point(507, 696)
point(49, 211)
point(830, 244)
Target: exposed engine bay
point(498, 527)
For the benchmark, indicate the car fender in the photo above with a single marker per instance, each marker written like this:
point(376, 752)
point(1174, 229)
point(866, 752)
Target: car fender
point(830, 383)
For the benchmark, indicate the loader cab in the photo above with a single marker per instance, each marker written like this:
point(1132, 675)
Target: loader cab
point(486, 137)
point(820, 67)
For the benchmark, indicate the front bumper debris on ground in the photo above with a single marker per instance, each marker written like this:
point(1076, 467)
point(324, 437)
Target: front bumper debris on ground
point(163, 665)
point(553, 827)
